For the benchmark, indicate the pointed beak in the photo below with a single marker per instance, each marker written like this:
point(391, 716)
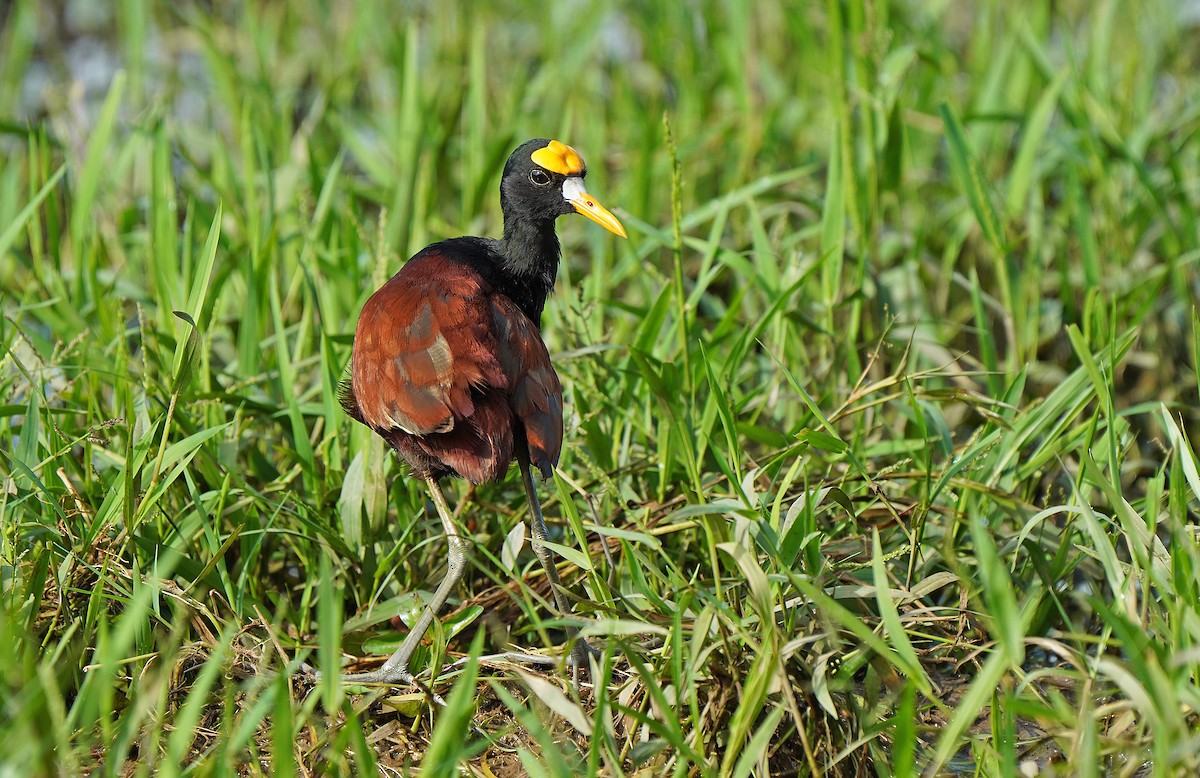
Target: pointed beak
point(590, 207)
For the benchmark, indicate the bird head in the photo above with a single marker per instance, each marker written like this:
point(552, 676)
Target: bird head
point(543, 179)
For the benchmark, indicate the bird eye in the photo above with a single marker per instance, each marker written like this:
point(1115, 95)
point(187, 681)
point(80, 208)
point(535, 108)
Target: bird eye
point(539, 177)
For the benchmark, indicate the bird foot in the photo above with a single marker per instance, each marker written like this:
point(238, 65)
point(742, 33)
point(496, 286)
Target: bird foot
point(396, 676)
point(579, 658)
point(580, 661)
point(581, 654)
point(393, 676)
point(384, 676)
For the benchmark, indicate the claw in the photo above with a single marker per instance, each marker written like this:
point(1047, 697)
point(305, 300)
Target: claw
point(581, 653)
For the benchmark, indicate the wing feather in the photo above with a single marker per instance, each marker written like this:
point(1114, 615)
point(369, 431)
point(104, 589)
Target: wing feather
point(443, 365)
point(535, 393)
point(423, 346)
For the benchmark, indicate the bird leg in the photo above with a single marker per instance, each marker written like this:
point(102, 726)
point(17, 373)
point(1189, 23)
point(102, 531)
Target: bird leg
point(395, 669)
point(581, 650)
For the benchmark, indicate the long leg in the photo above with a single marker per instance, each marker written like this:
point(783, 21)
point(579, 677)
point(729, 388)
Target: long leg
point(581, 650)
point(395, 669)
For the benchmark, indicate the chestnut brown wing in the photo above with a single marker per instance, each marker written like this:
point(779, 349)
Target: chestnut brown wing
point(535, 394)
point(424, 348)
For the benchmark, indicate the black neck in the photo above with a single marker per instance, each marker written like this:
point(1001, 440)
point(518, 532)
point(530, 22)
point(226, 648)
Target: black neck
point(531, 253)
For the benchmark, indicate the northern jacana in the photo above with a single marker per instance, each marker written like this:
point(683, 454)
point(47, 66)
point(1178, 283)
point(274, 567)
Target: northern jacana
point(450, 369)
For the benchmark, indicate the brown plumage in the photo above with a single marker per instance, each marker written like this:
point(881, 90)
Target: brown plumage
point(450, 369)
point(447, 370)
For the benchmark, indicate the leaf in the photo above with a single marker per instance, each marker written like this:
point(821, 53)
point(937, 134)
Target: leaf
point(724, 506)
point(966, 169)
point(760, 588)
point(833, 226)
point(621, 627)
point(329, 635)
point(554, 699)
point(514, 541)
point(97, 160)
point(905, 655)
point(13, 229)
point(572, 555)
point(1183, 449)
point(632, 536)
point(820, 684)
point(756, 751)
point(446, 747)
point(967, 710)
point(350, 503)
point(1020, 180)
point(998, 592)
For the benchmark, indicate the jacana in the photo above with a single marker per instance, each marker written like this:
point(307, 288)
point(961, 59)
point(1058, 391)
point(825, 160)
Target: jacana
point(449, 366)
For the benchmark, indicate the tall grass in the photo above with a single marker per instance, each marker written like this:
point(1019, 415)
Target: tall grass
point(880, 441)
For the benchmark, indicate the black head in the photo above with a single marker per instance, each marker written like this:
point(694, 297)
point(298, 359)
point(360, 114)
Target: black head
point(543, 179)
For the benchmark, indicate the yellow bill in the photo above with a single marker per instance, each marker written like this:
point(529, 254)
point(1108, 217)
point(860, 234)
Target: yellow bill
point(590, 207)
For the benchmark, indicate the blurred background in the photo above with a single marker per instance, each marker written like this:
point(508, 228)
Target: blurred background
point(908, 307)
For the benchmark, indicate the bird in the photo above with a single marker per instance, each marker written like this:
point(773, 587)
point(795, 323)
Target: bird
point(448, 364)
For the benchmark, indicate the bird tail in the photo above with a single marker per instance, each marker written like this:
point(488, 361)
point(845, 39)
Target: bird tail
point(346, 398)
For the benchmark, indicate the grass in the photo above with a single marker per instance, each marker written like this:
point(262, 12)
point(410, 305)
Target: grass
point(880, 428)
